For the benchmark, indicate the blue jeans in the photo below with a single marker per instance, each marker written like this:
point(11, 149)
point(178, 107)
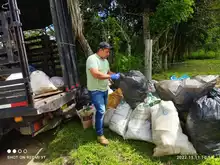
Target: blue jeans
point(99, 100)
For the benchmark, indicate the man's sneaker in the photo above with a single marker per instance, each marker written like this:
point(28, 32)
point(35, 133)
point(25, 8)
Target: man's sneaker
point(102, 140)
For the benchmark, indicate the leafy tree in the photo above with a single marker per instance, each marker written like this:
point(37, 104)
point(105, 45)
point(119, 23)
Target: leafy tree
point(176, 27)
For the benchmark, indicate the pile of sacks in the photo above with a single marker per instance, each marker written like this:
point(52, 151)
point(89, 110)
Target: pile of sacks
point(153, 112)
point(154, 121)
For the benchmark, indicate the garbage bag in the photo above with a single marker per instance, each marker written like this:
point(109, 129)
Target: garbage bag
point(203, 123)
point(139, 125)
point(151, 100)
point(134, 87)
point(139, 130)
point(166, 131)
point(15, 76)
point(41, 83)
point(31, 68)
point(57, 81)
point(120, 118)
point(110, 91)
point(108, 116)
point(183, 92)
point(114, 99)
point(150, 86)
point(206, 78)
point(82, 98)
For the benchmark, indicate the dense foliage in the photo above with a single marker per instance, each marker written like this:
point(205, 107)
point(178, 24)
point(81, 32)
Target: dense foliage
point(179, 29)
point(188, 29)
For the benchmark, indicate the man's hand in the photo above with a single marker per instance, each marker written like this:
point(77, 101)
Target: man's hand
point(115, 76)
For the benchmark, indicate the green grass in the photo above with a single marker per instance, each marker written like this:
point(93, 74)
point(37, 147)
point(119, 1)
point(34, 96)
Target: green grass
point(81, 148)
point(192, 68)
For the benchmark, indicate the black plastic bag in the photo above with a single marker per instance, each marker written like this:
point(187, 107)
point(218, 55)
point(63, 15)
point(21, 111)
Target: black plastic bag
point(134, 87)
point(82, 98)
point(203, 124)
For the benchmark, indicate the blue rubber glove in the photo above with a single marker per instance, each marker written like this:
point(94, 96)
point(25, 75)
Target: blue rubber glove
point(115, 76)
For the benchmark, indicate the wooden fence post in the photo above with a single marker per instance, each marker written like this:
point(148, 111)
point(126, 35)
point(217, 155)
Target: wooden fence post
point(148, 59)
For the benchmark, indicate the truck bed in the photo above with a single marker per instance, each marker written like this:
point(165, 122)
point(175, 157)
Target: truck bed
point(41, 105)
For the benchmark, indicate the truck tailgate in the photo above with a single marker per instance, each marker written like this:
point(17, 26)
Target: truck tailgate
point(47, 104)
point(54, 102)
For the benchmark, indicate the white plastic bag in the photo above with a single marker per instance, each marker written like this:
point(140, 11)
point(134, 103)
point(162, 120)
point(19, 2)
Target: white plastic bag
point(40, 83)
point(108, 115)
point(120, 118)
point(139, 126)
point(166, 131)
point(57, 81)
point(15, 76)
point(110, 91)
point(139, 130)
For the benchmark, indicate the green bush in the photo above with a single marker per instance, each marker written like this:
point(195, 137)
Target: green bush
point(201, 55)
point(211, 54)
point(124, 63)
point(217, 54)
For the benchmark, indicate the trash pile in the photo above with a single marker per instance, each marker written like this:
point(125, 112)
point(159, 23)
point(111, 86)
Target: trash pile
point(147, 117)
point(180, 115)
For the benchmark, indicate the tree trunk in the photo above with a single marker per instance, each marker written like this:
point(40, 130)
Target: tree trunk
point(127, 38)
point(77, 24)
point(148, 48)
point(172, 50)
point(161, 61)
point(187, 51)
point(129, 49)
point(85, 45)
point(146, 25)
point(165, 61)
point(170, 55)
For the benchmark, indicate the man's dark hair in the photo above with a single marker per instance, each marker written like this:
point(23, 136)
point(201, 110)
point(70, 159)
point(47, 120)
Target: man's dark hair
point(104, 45)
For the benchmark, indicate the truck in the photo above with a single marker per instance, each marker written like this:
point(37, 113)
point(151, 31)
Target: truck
point(20, 109)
